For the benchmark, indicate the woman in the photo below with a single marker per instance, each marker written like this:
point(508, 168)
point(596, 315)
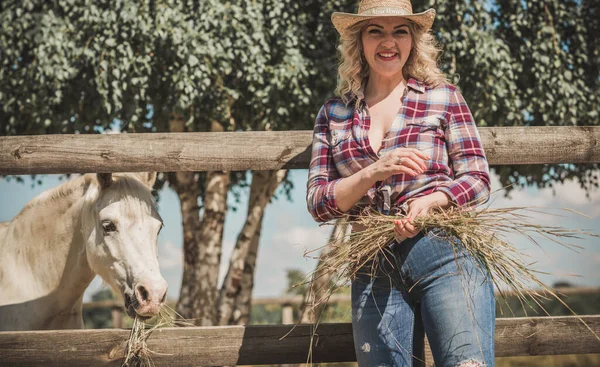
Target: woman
point(400, 138)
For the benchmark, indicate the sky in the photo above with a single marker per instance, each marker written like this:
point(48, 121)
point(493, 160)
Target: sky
point(289, 231)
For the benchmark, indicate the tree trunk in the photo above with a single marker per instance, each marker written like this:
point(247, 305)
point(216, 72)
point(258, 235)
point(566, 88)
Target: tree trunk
point(185, 185)
point(241, 266)
point(198, 298)
point(319, 289)
point(242, 304)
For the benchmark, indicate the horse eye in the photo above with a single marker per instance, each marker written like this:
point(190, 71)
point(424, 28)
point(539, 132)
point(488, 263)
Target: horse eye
point(108, 226)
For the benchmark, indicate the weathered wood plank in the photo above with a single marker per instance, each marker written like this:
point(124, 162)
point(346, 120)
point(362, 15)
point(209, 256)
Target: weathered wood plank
point(169, 152)
point(231, 345)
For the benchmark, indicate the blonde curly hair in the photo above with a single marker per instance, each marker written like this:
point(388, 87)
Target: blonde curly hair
point(354, 70)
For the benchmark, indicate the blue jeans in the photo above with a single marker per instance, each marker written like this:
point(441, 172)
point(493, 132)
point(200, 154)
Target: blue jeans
point(423, 285)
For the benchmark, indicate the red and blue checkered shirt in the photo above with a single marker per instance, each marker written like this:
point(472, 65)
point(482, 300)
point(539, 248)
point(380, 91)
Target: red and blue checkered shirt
point(436, 121)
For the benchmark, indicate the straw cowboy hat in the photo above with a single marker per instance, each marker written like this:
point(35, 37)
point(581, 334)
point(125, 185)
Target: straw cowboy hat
point(369, 9)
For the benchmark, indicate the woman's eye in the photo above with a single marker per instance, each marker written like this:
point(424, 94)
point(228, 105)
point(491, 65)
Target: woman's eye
point(374, 31)
point(108, 226)
point(401, 32)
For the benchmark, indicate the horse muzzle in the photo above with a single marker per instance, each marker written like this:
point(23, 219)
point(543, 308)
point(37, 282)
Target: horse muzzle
point(148, 298)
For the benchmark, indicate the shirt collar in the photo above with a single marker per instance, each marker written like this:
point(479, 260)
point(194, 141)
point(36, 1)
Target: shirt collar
point(416, 85)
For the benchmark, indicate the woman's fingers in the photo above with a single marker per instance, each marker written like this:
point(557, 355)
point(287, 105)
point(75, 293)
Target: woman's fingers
point(403, 228)
point(421, 154)
point(411, 158)
point(410, 228)
point(411, 164)
point(408, 161)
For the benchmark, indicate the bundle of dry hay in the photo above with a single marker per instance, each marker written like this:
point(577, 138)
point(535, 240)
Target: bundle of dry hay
point(137, 353)
point(481, 232)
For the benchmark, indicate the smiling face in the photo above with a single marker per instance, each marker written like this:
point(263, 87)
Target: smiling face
point(387, 42)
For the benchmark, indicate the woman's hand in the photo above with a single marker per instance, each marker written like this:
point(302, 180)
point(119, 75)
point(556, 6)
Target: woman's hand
point(404, 228)
point(409, 161)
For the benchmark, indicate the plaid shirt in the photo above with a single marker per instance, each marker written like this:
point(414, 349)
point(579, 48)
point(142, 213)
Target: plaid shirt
point(436, 121)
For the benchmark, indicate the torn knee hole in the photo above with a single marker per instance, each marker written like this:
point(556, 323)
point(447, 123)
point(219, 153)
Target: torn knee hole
point(470, 363)
point(366, 347)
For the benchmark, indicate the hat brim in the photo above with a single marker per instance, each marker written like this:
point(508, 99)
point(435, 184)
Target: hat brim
point(343, 21)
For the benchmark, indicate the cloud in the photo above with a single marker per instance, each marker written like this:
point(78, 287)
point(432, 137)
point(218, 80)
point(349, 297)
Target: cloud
point(170, 256)
point(284, 249)
point(562, 195)
point(300, 239)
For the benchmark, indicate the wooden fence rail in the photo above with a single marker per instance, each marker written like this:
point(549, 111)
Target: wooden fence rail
point(256, 345)
point(171, 152)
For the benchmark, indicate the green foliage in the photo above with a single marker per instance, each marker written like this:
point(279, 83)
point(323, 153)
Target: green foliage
point(295, 278)
point(99, 318)
point(265, 314)
point(581, 303)
point(78, 66)
point(525, 63)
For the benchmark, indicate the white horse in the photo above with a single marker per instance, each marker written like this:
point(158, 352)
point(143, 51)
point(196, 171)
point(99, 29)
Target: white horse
point(51, 251)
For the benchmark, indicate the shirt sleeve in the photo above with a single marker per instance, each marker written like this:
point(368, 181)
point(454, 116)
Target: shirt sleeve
point(471, 184)
point(322, 174)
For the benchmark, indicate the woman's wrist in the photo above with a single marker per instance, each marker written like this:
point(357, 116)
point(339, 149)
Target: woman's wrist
point(439, 199)
point(369, 174)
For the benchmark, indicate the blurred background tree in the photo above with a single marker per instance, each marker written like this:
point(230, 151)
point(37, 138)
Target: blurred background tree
point(99, 318)
point(532, 63)
point(157, 66)
point(90, 66)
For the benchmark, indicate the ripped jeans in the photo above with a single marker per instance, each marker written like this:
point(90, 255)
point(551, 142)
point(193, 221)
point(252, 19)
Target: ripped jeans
point(423, 285)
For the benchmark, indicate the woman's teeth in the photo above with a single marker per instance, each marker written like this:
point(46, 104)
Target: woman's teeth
point(387, 55)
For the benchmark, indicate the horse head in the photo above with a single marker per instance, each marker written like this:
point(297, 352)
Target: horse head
point(122, 231)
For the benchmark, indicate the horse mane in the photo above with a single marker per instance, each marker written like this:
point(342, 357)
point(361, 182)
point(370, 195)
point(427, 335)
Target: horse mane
point(65, 189)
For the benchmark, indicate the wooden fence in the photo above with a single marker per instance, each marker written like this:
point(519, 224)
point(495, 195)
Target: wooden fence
point(256, 345)
point(172, 152)
point(241, 345)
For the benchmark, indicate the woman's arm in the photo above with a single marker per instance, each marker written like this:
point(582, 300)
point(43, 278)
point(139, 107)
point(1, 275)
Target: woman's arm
point(329, 195)
point(471, 184)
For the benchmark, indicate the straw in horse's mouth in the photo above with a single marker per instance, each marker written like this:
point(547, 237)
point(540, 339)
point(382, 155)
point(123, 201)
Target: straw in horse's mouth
point(131, 304)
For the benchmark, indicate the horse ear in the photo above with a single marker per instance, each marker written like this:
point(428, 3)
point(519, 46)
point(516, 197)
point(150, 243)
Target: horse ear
point(147, 178)
point(105, 180)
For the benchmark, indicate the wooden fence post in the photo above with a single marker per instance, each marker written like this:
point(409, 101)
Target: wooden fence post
point(287, 314)
point(117, 317)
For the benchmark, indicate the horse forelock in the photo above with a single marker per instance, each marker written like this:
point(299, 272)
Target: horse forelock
point(132, 193)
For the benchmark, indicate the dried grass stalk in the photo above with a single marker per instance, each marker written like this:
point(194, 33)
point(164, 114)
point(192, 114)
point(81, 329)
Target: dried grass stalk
point(137, 353)
point(482, 233)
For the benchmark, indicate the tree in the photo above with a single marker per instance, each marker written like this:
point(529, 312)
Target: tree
point(525, 63)
point(235, 297)
point(166, 66)
point(99, 318)
point(148, 66)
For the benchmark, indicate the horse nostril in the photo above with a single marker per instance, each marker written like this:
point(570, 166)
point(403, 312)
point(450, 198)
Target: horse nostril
point(164, 298)
point(142, 293)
